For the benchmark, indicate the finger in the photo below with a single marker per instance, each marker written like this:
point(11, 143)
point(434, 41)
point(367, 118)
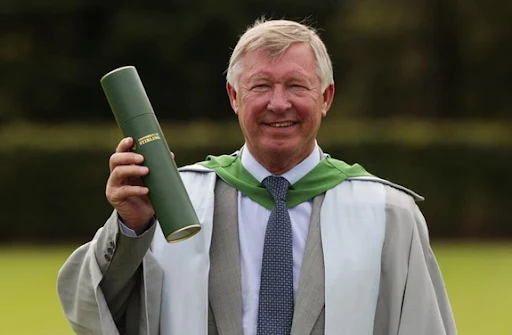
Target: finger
point(125, 144)
point(172, 155)
point(124, 158)
point(122, 173)
point(120, 194)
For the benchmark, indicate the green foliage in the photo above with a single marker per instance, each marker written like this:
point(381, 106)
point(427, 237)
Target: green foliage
point(443, 58)
point(336, 130)
point(55, 177)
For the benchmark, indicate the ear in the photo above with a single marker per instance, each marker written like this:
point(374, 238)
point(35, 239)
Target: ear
point(232, 94)
point(328, 97)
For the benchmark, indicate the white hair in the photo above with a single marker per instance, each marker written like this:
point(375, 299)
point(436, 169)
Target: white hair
point(276, 36)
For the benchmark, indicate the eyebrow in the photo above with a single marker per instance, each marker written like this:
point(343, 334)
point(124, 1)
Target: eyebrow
point(260, 76)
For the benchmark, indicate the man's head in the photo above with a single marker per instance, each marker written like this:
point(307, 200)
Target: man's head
point(280, 84)
point(276, 36)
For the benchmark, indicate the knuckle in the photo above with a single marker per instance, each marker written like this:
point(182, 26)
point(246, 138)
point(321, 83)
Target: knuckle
point(113, 174)
point(112, 161)
point(110, 197)
point(125, 191)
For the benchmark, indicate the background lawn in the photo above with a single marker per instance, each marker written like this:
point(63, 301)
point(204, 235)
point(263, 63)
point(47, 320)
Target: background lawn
point(479, 282)
point(478, 277)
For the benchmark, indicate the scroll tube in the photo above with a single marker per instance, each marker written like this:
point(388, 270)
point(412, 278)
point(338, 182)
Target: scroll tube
point(135, 117)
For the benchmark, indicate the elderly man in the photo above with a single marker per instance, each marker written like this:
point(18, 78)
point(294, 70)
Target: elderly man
point(292, 241)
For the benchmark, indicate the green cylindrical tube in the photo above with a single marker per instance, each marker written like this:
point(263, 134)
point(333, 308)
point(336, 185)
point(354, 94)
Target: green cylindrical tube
point(136, 118)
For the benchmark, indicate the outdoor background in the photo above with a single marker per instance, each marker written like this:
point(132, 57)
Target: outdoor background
point(423, 98)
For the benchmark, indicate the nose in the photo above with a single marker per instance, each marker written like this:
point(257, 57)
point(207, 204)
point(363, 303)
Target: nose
point(279, 101)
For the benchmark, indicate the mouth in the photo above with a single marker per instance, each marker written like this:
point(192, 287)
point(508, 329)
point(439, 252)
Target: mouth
point(281, 124)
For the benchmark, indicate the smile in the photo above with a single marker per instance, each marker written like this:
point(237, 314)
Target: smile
point(281, 124)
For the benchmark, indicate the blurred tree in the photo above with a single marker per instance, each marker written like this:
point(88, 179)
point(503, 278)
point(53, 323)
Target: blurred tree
point(385, 53)
point(440, 58)
point(485, 35)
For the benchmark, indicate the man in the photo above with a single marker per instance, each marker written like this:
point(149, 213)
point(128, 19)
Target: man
point(292, 240)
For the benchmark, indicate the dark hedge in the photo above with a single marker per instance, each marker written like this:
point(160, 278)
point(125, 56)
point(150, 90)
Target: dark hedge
point(59, 196)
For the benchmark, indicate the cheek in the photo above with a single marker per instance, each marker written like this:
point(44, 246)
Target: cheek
point(247, 120)
point(257, 103)
point(310, 110)
point(252, 109)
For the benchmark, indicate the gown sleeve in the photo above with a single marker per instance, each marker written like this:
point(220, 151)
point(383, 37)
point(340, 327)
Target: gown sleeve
point(104, 285)
point(412, 296)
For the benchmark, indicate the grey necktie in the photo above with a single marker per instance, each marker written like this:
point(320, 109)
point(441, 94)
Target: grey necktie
point(275, 310)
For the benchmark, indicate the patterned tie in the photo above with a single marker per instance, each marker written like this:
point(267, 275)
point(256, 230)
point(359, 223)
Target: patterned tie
point(275, 310)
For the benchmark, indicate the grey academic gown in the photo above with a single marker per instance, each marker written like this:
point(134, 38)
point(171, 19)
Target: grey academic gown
point(121, 272)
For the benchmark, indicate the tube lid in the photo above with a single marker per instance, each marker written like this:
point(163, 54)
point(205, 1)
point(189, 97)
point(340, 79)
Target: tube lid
point(125, 94)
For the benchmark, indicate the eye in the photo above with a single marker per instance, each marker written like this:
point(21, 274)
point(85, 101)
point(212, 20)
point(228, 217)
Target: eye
point(260, 87)
point(298, 87)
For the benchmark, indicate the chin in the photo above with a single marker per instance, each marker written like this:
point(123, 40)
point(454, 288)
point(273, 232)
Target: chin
point(286, 149)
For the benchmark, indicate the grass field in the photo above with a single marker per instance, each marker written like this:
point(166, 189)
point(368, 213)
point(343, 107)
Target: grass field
point(478, 277)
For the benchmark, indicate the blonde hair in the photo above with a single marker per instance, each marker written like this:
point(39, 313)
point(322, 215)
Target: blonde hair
point(276, 36)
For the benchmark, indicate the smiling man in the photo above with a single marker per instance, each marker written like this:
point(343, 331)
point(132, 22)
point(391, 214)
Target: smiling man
point(280, 101)
point(293, 241)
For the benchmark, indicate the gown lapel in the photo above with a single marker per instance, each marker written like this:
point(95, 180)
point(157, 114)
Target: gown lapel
point(225, 274)
point(310, 295)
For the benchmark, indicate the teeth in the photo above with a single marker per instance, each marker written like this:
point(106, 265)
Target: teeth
point(282, 124)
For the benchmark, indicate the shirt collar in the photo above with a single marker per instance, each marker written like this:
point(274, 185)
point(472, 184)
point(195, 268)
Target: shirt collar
point(293, 175)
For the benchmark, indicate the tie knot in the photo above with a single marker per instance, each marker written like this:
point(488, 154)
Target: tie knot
point(277, 186)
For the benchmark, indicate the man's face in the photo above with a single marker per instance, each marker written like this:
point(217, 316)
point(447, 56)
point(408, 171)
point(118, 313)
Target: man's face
point(280, 104)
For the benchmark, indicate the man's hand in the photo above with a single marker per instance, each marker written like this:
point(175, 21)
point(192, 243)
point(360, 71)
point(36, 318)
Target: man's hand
point(125, 191)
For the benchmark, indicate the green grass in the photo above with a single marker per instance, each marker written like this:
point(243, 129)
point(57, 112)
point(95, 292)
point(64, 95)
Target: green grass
point(478, 278)
point(479, 282)
point(30, 305)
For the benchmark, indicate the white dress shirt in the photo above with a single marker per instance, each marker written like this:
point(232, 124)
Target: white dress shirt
point(252, 223)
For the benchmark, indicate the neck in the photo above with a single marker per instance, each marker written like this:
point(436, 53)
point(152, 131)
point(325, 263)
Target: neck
point(279, 168)
point(280, 163)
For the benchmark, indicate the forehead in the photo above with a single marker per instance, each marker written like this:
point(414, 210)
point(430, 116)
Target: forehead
point(298, 59)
